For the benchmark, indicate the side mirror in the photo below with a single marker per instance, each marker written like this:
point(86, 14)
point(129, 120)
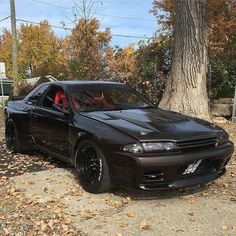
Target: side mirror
point(32, 101)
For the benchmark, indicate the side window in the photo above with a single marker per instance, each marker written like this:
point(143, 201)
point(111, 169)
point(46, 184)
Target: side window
point(34, 98)
point(56, 99)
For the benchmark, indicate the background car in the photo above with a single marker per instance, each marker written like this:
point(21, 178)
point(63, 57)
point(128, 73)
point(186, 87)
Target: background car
point(113, 135)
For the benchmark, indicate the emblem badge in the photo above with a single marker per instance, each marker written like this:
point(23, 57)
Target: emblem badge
point(192, 167)
point(143, 133)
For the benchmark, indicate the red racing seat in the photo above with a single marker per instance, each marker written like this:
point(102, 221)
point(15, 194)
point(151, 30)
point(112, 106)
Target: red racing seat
point(101, 101)
point(60, 98)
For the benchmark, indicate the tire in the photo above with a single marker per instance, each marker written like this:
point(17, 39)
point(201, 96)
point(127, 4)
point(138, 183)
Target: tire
point(12, 137)
point(91, 168)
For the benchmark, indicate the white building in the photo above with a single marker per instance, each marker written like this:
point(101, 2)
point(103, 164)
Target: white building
point(32, 81)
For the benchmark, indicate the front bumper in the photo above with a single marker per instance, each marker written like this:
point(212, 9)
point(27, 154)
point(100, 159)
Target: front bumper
point(161, 171)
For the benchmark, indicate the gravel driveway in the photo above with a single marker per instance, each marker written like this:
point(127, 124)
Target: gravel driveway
point(41, 196)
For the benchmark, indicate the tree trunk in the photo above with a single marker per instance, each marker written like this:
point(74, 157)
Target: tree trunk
point(186, 90)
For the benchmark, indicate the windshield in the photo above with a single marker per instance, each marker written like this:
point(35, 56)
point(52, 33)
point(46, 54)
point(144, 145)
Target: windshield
point(107, 97)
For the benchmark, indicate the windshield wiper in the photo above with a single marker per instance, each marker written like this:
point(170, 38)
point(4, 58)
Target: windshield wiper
point(147, 107)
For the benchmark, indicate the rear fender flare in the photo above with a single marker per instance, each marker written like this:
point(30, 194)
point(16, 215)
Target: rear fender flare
point(24, 139)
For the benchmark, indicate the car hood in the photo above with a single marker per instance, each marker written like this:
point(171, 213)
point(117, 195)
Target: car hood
point(154, 124)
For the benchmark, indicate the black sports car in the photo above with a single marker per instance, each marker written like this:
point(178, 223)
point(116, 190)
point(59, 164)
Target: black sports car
point(113, 135)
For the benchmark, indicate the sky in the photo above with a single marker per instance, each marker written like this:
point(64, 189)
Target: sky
point(123, 17)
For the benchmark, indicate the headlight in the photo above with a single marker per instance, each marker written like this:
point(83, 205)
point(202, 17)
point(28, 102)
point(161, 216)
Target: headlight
point(159, 147)
point(223, 138)
point(133, 148)
point(151, 147)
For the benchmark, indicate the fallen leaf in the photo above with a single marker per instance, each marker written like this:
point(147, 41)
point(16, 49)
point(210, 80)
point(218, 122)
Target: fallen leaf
point(51, 224)
point(224, 227)
point(130, 214)
point(117, 204)
point(144, 225)
point(98, 227)
point(192, 201)
point(43, 227)
point(45, 189)
point(67, 221)
point(6, 231)
point(125, 201)
point(123, 224)
point(160, 205)
point(234, 229)
point(30, 233)
point(191, 213)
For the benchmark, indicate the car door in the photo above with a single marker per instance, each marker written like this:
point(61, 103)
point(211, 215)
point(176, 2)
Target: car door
point(50, 126)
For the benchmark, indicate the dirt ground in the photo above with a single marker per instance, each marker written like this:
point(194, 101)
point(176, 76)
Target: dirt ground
point(41, 196)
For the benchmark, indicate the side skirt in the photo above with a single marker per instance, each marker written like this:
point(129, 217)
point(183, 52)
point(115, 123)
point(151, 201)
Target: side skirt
point(61, 156)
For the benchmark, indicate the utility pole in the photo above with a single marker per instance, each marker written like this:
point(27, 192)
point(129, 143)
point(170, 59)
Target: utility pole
point(14, 49)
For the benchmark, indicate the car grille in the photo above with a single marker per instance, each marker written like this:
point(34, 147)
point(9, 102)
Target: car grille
point(194, 144)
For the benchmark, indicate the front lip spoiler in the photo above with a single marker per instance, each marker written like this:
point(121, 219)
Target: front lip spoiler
point(186, 182)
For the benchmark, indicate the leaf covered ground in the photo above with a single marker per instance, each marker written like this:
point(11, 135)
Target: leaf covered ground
point(41, 196)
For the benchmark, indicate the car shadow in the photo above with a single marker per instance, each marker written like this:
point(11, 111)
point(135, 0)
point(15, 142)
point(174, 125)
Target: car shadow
point(12, 164)
point(138, 194)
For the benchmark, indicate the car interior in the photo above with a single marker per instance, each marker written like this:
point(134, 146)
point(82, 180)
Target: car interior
point(95, 99)
point(99, 100)
point(56, 96)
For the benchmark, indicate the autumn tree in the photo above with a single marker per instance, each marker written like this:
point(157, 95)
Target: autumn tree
point(40, 51)
point(86, 50)
point(223, 69)
point(221, 40)
point(122, 63)
point(6, 50)
point(221, 18)
point(222, 44)
point(142, 66)
point(153, 61)
point(186, 90)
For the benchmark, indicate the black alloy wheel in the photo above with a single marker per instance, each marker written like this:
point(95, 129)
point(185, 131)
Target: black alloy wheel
point(92, 168)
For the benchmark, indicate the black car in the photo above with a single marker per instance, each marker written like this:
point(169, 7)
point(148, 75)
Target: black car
point(113, 135)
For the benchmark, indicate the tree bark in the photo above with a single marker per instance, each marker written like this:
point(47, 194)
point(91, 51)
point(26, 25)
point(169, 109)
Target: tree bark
point(186, 90)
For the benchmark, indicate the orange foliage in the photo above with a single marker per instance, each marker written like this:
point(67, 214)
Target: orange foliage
point(124, 62)
point(6, 50)
point(40, 51)
point(221, 17)
point(86, 50)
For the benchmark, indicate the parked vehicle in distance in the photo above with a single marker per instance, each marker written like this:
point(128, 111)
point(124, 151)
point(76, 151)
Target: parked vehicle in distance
point(113, 135)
